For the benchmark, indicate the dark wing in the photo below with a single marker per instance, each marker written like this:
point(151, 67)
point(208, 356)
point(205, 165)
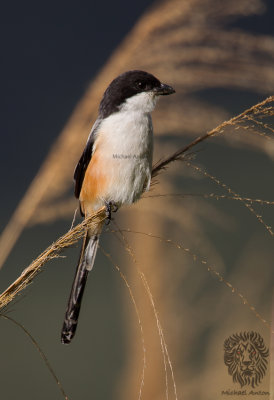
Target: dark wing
point(83, 163)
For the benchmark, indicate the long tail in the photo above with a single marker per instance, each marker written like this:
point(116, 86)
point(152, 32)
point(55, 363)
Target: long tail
point(86, 261)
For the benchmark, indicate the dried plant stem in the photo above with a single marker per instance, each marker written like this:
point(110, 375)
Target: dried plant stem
point(219, 129)
point(247, 203)
point(67, 240)
point(137, 314)
point(210, 268)
point(40, 351)
point(211, 196)
point(164, 348)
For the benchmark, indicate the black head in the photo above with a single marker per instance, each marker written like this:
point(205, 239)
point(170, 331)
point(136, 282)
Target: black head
point(127, 85)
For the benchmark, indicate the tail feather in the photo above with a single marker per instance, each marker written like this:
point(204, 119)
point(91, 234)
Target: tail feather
point(86, 262)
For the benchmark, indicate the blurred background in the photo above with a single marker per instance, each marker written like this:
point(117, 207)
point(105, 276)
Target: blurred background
point(56, 61)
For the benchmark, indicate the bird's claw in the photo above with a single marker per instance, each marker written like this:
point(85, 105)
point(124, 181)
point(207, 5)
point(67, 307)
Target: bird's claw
point(110, 207)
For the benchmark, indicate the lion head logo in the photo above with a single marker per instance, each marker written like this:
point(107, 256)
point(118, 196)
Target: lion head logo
point(246, 358)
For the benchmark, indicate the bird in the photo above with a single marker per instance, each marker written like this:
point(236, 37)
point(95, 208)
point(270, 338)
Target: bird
point(114, 168)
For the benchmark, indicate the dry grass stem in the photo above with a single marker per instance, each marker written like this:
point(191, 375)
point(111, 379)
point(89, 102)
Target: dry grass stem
point(165, 352)
point(40, 351)
point(138, 317)
point(53, 251)
point(210, 268)
point(246, 203)
point(256, 109)
point(211, 196)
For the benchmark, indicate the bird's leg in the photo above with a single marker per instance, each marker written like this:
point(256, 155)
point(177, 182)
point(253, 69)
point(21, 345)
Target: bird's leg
point(108, 212)
point(110, 207)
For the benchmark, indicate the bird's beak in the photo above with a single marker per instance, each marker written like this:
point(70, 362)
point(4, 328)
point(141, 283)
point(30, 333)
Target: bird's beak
point(164, 90)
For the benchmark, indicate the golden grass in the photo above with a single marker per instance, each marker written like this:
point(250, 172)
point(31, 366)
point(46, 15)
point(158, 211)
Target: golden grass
point(164, 349)
point(237, 196)
point(210, 268)
point(258, 109)
point(40, 351)
point(138, 314)
point(53, 251)
point(213, 196)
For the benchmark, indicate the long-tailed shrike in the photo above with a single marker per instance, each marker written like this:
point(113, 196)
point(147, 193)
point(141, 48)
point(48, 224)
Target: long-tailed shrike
point(115, 167)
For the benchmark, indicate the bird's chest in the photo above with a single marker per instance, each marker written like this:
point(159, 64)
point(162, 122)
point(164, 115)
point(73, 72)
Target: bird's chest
point(127, 136)
point(126, 144)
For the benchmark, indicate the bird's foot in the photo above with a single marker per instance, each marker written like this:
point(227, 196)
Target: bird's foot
point(110, 207)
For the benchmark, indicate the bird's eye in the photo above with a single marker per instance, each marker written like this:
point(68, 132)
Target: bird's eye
point(141, 85)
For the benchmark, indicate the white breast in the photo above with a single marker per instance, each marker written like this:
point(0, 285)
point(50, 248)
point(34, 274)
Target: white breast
point(125, 141)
